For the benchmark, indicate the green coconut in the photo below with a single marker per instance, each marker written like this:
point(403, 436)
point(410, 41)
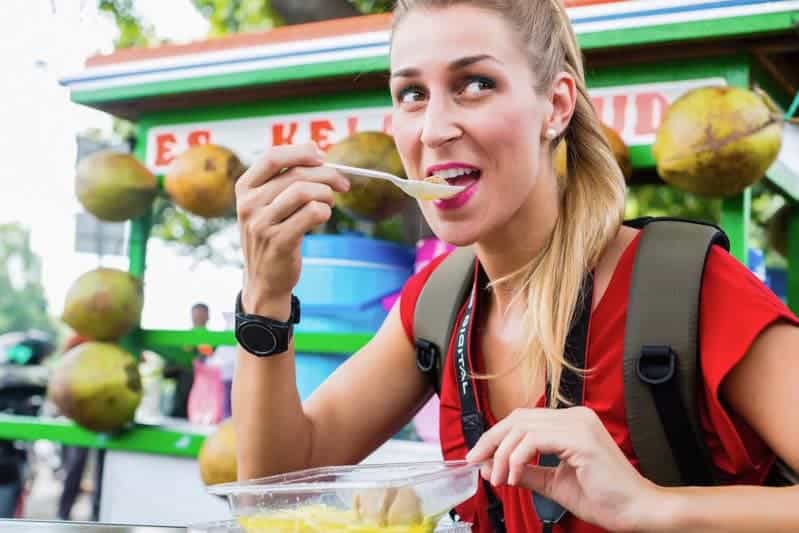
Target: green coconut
point(97, 385)
point(717, 141)
point(104, 304)
point(202, 180)
point(114, 186)
point(369, 199)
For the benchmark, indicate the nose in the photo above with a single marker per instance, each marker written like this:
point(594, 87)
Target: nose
point(439, 127)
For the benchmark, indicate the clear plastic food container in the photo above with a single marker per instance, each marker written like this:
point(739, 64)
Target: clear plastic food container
point(394, 498)
point(231, 526)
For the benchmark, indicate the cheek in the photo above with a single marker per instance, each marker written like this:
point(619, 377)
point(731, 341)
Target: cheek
point(512, 138)
point(406, 138)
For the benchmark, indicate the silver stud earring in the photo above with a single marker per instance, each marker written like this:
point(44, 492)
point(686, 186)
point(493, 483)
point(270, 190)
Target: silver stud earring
point(551, 133)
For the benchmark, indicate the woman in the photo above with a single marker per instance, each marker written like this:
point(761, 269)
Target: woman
point(483, 91)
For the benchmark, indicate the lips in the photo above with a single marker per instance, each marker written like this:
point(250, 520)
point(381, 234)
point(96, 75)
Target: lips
point(455, 173)
point(460, 199)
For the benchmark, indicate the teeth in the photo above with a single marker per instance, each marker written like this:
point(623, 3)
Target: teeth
point(454, 173)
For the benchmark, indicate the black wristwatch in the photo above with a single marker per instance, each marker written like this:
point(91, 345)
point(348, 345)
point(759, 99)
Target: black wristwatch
point(263, 336)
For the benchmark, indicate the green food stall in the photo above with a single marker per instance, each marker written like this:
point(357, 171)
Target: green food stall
point(324, 81)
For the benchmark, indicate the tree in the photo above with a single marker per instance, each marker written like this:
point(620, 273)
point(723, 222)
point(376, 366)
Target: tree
point(23, 304)
point(239, 16)
point(132, 30)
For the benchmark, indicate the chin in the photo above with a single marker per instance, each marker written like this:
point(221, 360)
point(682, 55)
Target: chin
point(454, 233)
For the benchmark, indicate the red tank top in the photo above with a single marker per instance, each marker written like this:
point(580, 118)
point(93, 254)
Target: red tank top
point(728, 326)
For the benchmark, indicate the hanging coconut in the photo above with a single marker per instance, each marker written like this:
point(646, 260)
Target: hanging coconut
point(114, 186)
point(368, 199)
point(97, 385)
point(777, 229)
point(620, 151)
point(202, 180)
point(217, 457)
point(717, 141)
point(104, 304)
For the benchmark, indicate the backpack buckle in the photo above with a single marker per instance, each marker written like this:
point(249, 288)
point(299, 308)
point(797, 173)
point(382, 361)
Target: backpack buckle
point(426, 355)
point(657, 364)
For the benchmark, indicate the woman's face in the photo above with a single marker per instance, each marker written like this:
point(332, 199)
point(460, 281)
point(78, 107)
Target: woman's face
point(465, 108)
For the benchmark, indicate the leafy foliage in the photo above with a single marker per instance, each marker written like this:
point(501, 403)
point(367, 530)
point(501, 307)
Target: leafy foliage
point(237, 16)
point(132, 30)
point(373, 6)
point(23, 304)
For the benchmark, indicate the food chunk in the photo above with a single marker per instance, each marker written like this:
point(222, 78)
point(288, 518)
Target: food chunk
point(388, 507)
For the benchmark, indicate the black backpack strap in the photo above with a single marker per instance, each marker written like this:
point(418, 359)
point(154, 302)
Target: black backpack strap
point(661, 348)
point(434, 319)
point(437, 310)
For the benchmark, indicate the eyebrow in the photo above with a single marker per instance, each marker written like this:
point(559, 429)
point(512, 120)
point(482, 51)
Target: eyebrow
point(458, 64)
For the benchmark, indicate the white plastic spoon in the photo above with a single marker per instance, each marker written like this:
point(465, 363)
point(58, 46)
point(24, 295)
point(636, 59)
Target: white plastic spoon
point(421, 190)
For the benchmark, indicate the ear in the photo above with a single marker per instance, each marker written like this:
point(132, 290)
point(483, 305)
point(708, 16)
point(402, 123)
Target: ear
point(563, 99)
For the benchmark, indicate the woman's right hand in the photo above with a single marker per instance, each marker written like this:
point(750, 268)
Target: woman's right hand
point(278, 200)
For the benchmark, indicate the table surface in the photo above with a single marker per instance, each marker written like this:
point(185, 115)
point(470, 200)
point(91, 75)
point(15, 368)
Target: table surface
point(54, 526)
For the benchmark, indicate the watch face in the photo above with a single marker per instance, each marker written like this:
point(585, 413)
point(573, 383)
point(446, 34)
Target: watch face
point(257, 339)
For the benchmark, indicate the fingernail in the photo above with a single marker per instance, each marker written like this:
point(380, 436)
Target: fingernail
point(470, 455)
point(321, 153)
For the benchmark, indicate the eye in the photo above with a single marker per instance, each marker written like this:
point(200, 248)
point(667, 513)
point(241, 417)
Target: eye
point(475, 85)
point(410, 95)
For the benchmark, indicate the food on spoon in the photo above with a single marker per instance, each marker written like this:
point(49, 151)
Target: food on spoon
point(437, 195)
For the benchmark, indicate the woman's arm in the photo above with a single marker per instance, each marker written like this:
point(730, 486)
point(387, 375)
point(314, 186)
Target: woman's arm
point(597, 483)
point(764, 390)
point(731, 509)
point(368, 399)
point(279, 199)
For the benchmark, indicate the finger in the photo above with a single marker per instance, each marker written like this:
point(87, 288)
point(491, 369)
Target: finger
point(499, 474)
point(253, 200)
point(289, 233)
point(522, 455)
point(538, 479)
point(485, 470)
point(331, 177)
point(488, 443)
point(294, 198)
point(276, 159)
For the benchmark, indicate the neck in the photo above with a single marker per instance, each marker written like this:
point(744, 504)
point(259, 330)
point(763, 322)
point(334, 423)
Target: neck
point(512, 246)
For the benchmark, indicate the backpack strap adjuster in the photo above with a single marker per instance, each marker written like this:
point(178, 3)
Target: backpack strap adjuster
point(657, 364)
point(427, 354)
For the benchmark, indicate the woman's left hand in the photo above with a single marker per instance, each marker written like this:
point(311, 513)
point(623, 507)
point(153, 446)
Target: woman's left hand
point(594, 480)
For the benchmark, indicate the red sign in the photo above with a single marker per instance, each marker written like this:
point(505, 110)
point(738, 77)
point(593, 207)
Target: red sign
point(634, 111)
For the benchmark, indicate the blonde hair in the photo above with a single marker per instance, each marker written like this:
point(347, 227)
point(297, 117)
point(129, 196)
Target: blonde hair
point(592, 193)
